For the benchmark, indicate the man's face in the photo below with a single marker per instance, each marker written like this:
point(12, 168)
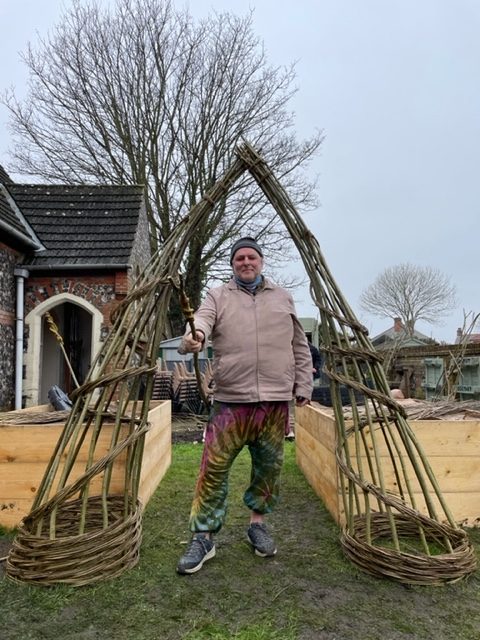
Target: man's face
point(247, 264)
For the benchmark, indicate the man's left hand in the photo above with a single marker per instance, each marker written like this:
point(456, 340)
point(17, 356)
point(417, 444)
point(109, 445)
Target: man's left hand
point(300, 401)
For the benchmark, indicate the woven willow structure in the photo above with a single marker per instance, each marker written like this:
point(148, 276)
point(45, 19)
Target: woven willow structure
point(72, 534)
point(386, 534)
point(75, 536)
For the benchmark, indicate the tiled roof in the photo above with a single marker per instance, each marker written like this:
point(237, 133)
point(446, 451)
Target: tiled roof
point(393, 334)
point(8, 215)
point(4, 177)
point(11, 221)
point(89, 225)
point(471, 337)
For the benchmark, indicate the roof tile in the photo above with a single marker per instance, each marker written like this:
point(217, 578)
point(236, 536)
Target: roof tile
point(101, 219)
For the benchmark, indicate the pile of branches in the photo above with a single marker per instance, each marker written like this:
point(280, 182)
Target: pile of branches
point(440, 409)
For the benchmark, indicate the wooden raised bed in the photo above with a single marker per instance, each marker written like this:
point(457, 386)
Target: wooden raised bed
point(26, 449)
point(452, 448)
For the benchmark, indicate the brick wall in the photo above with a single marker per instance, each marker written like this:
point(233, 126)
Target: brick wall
point(103, 290)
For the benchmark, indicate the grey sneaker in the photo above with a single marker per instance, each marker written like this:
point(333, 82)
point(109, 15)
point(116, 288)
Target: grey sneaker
point(199, 550)
point(261, 540)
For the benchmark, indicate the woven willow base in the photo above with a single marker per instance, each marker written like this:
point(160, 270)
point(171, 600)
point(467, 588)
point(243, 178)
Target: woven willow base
point(98, 554)
point(413, 567)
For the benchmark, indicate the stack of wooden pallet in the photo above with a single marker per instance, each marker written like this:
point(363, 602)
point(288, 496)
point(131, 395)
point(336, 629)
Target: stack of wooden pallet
point(162, 384)
point(185, 395)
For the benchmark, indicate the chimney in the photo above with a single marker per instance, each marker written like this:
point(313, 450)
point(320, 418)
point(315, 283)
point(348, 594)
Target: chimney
point(397, 325)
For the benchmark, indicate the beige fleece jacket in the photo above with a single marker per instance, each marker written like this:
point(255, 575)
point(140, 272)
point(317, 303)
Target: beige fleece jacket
point(260, 349)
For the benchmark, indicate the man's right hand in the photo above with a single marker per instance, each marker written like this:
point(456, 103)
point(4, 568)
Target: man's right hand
point(191, 344)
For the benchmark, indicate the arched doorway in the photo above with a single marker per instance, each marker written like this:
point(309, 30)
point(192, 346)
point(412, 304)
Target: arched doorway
point(79, 324)
point(65, 365)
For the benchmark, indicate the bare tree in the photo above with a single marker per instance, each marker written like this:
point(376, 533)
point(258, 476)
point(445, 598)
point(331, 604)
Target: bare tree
point(140, 93)
point(411, 293)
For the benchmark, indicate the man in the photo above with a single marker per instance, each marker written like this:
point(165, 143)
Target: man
point(316, 360)
point(261, 360)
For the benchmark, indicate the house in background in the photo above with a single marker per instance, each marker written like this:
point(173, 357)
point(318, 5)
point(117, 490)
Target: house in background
point(72, 251)
point(312, 329)
point(169, 355)
point(403, 371)
point(397, 336)
point(467, 337)
point(421, 367)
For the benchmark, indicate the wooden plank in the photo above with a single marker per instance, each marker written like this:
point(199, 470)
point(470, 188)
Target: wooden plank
point(157, 455)
point(454, 475)
point(160, 412)
point(155, 447)
point(25, 477)
point(465, 507)
point(33, 443)
point(316, 453)
point(435, 437)
point(26, 450)
point(151, 481)
point(160, 429)
point(320, 425)
point(465, 510)
point(452, 449)
point(323, 476)
point(19, 504)
point(37, 443)
point(455, 437)
point(20, 479)
point(13, 510)
point(322, 487)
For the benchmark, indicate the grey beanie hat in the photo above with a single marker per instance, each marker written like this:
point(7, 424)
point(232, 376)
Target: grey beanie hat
point(242, 243)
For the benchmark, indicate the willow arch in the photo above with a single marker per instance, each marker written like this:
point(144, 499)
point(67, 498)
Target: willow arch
point(373, 514)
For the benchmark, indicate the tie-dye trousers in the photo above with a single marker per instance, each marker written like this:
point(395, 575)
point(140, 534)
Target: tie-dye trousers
point(261, 427)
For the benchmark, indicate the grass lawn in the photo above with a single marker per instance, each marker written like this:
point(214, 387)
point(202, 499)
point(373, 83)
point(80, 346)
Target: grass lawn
point(309, 591)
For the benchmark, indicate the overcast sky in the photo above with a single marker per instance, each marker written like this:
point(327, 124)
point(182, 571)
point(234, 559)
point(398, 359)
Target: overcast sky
point(394, 85)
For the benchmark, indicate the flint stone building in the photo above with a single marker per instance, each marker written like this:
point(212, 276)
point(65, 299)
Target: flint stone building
point(71, 251)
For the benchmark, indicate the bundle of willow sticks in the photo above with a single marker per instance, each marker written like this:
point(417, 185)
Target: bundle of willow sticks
point(77, 537)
